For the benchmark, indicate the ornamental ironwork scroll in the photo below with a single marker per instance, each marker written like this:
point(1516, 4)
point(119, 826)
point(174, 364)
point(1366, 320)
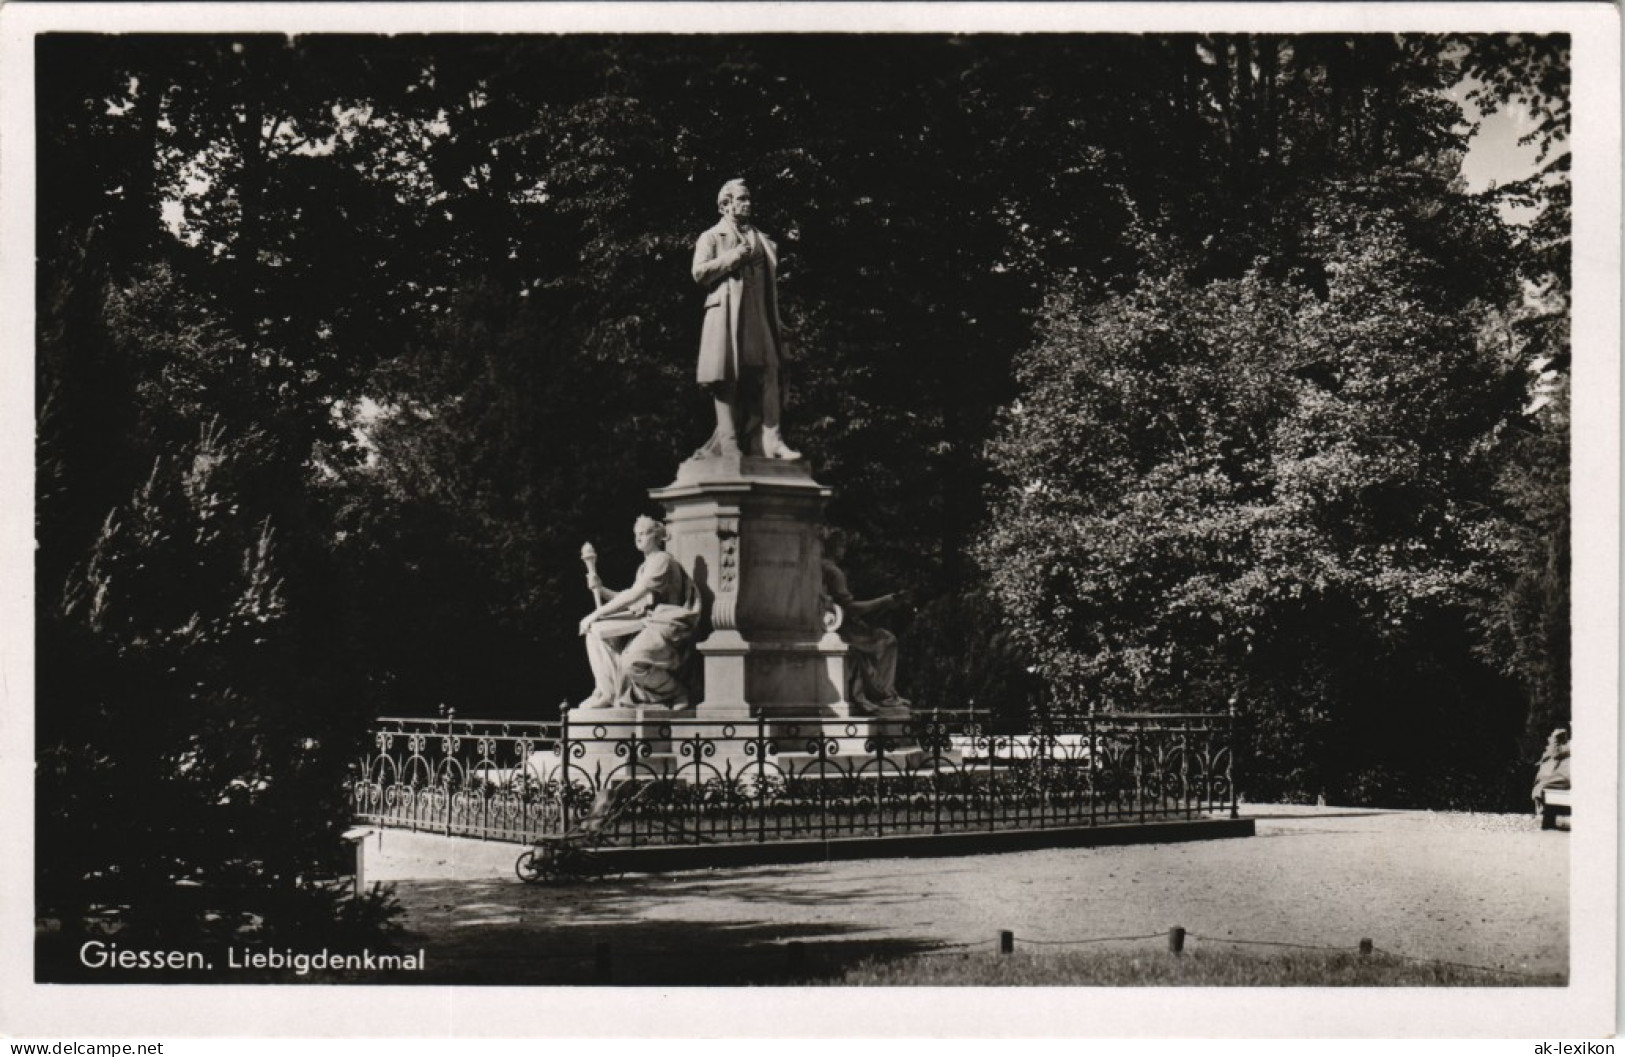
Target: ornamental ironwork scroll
point(706, 781)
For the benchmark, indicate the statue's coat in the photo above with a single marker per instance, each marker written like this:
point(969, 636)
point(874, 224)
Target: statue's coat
point(719, 338)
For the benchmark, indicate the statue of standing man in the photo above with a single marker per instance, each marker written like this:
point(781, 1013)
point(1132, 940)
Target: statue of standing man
point(741, 344)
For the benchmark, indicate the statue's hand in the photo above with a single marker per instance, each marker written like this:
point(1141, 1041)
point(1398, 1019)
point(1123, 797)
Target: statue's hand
point(586, 622)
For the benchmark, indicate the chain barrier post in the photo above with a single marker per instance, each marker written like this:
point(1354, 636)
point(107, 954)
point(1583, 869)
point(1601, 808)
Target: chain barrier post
point(1007, 941)
point(1176, 940)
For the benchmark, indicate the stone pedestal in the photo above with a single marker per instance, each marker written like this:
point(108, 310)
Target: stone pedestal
point(601, 738)
point(747, 529)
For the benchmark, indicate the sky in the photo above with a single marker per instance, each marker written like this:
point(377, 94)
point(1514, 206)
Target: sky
point(1494, 155)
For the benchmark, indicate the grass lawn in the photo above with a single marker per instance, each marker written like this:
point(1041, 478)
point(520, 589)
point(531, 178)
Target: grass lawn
point(1195, 968)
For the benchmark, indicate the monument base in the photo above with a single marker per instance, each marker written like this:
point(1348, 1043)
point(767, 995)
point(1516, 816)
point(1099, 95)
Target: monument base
point(747, 529)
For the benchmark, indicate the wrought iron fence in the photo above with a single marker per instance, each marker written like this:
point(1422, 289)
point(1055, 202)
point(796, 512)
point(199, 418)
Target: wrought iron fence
point(688, 781)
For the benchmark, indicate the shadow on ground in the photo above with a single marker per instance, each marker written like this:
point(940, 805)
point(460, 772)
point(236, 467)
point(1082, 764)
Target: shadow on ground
point(503, 933)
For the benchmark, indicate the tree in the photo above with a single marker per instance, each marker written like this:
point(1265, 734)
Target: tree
point(194, 722)
point(1234, 492)
point(1529, 624)
point(183, 778)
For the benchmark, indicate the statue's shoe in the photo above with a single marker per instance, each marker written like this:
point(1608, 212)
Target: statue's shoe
point(673, 706)
point(597, 700)
point(891, 708)
point(718, 446)
point(773, 445)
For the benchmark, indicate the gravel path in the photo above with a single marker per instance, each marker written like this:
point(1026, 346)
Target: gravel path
point(1485, 890)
